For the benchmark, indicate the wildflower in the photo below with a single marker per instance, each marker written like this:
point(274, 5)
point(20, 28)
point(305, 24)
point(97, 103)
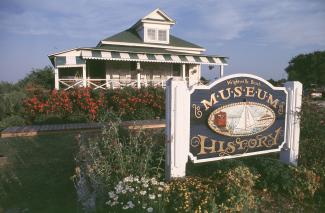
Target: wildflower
point(143, 192)
point(125, 207)
point(160, 188)
point(150, 209)
point(130, 204)
point(152, 196)
point(145, 185)
point(111, 194)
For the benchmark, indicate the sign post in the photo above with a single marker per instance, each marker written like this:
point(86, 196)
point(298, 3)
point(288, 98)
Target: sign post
point(177, 127)
point(289, 153)
point(236, 116)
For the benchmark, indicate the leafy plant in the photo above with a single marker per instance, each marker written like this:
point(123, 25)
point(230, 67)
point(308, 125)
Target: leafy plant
point(189, 194)
point(234, 189)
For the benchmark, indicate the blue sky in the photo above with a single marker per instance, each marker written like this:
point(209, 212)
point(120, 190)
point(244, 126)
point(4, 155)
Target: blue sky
point(258, 36)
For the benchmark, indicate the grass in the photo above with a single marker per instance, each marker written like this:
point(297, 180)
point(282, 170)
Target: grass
point(37, 178)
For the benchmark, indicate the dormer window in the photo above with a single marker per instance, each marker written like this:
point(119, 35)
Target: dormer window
point(152, 34)
point(157, 35)
point(162, 35)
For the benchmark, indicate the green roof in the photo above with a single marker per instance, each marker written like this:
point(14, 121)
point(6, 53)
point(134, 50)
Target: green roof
point(131, 36)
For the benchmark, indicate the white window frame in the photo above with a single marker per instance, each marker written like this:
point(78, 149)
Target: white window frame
point(156, 40)
point(164, 35)
point(154, 31)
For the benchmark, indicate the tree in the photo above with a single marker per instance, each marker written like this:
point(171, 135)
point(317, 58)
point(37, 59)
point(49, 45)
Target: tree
point(308, 69)
point(43, 78)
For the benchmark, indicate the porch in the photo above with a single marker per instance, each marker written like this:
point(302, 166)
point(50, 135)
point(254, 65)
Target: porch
point(111, 70)
point(116, 74)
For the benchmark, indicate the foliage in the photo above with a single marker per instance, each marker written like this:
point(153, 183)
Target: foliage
point(299, 182)
point(137, 104)
point(137, 194)
point(277, 83)
point(116, 154)
point(308, 69)
point(11, 103)
point(129, 103)
point(13, 120)
point(234, 189)
point(190, 194)
point(38, 78)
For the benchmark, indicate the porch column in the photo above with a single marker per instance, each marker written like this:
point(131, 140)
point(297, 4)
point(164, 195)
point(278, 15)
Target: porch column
point(56, 78)
point(138, 75)
point(221, 71)
point(183, 71)
point(84, 76)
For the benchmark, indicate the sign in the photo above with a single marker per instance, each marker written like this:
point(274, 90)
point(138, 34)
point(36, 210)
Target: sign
point(236, 116)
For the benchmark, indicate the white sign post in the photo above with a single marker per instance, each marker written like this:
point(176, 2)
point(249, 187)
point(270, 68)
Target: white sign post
point(290, 150)
point(178, 123)
point(177, 127)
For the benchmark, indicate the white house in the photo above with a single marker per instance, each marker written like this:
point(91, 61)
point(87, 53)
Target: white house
point(145, 54)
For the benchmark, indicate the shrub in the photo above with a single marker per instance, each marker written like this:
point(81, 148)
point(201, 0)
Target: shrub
point(14, 120)
point(234, 189)
point(11, 103)
point(129, 103)
point(189, 194)
point(39, 78)
point(298, 182)
point(107, 159)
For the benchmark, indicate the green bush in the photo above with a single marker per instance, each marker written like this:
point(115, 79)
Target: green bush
point(234, 189)
point(11, 103)
point(38, 79)
point(189, 194)
point(14, 120)
point(117, 153)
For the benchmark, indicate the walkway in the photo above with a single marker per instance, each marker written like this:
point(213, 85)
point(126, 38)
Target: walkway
point(33, 130)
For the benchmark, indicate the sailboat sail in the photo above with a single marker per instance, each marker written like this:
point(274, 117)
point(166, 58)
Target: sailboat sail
point(246, 121)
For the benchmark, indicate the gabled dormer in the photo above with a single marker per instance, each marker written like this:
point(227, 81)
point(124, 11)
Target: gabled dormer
point(155, 27)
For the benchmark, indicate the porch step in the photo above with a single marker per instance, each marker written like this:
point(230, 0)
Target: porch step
point(33, 130)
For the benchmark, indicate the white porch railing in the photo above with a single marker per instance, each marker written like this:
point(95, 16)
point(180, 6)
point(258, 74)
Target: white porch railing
point(104, 84)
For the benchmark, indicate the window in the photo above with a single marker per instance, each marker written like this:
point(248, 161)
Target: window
point(157, 35)
point(162, 35)
point(152, 34)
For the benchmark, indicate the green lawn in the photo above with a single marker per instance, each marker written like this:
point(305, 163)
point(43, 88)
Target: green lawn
point(38, 178)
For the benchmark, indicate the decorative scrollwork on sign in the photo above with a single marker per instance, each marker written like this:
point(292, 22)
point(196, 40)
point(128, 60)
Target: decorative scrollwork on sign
point(195, 141)
point(197, 111)
point(281, 108)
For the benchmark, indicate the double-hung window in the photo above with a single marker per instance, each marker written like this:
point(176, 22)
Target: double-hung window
point(156, 35)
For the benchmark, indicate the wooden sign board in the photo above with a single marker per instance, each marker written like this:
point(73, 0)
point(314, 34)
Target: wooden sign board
point(236, 116)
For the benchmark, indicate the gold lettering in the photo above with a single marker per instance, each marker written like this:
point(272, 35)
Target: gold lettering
point(259, 91)
point(230, 148)
point(238, 92)
point(250, 91)
point(270, 100)
point(208, 104)
point(276, 136)
point(223, 95)
point(261, 140)
point(203, 148)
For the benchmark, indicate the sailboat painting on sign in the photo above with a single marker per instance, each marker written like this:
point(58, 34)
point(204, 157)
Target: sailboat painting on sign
point(241, 119)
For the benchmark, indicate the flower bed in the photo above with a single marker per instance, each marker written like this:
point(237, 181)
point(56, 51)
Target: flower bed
point(129, 103)
point(124, 171)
